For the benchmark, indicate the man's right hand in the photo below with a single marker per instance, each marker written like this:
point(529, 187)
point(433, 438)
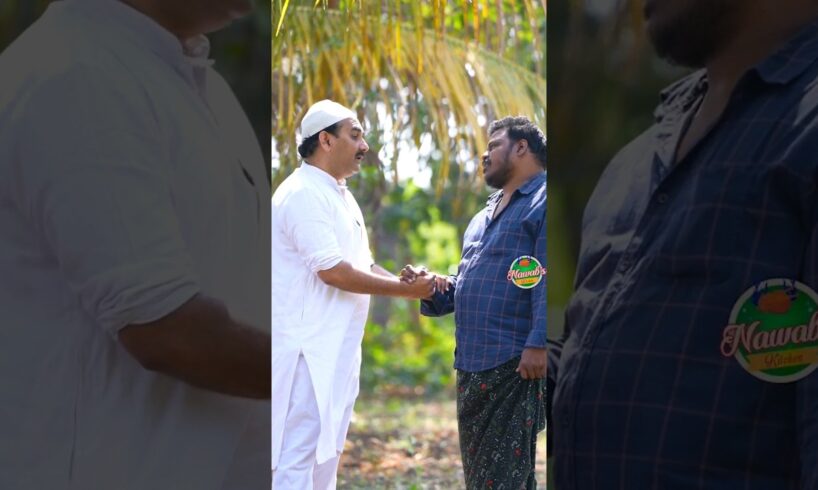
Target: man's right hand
point(348, 278)
point(410, 273)
point(421, 287)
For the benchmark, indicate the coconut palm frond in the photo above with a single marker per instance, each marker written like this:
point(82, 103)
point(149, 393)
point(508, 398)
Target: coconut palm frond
point(440, 84)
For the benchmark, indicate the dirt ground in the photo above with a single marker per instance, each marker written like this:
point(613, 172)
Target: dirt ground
point(406, 442)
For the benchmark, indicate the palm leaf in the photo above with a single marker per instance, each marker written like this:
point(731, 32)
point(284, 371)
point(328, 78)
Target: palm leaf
point(443, 83)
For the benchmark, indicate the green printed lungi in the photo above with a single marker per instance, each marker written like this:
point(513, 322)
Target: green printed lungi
point(499, 415)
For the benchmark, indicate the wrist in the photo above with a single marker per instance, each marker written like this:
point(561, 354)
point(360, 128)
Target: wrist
point(401, 288)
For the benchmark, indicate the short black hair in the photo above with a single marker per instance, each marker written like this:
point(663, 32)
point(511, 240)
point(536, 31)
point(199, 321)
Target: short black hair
point(308, 146)
point(521, 128)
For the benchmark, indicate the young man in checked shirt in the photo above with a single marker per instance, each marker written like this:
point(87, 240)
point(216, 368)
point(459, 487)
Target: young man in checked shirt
point(500, 356)
point(719, 194)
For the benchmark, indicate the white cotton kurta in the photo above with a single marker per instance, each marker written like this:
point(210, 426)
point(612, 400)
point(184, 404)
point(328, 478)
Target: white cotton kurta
point(125, 189)
point(316, 223)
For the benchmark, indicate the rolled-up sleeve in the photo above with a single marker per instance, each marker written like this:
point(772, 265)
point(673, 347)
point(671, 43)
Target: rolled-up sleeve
point(96, 189)
point(309, 223)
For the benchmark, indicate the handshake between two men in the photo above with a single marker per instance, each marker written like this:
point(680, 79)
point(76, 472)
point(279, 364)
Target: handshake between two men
point(433, 283)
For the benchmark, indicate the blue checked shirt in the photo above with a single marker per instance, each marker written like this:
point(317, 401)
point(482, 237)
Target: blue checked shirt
point(644, 399)
point(495, 320)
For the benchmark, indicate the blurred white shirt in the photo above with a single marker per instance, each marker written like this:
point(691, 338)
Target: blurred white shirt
point(130, 180)
point(316, 223)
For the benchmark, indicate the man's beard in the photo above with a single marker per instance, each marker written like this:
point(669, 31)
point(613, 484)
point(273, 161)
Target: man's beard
point(502, 172)
point(696, 32)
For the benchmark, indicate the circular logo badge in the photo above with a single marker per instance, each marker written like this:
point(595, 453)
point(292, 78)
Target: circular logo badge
point(526, 272)
point(773, 331)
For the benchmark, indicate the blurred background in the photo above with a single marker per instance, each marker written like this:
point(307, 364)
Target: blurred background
point(426, 78)
point(604, 83)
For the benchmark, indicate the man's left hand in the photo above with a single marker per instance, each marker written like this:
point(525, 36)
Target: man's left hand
point(532, 363)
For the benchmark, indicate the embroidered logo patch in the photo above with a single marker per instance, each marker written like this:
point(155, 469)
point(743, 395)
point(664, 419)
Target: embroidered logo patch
point(526, 272)
point(773, 331)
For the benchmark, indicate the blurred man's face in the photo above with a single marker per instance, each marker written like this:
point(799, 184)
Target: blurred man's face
point(348, 148)
point(217, 14)
point(497, 167)
point(188, 18)
point(690, 32)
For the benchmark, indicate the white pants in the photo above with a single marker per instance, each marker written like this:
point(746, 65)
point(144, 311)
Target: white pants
point(297, 468)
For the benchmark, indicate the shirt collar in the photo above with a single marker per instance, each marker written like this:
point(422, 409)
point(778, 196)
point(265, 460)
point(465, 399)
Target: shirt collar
point(321, 176)
point(528, 187)
point(532, 184)
point(798, 54)
point(680, 95)
point(782, 67)
point(145, 31)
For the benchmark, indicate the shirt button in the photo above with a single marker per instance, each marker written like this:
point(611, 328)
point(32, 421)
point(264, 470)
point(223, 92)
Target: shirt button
point(662, 198)
point(623, 266)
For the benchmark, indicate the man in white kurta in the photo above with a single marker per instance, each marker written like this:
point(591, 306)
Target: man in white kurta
point(318, 318)
point(322, 323)
point(130, 183)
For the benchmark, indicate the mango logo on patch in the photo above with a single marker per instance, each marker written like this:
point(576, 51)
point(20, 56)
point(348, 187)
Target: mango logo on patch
point(773, 331)
point(526, 272)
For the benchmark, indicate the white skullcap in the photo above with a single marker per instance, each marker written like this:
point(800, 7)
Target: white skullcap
point(323, 114)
